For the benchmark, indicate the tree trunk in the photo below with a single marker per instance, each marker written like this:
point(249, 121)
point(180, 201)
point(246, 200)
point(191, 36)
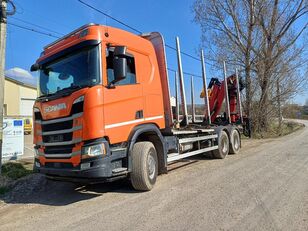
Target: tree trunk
point(279, 107)
point(248, 90)
point(262, 119)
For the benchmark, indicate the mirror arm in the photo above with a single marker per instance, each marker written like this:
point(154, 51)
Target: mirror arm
point(111, 85)
point(35, 67)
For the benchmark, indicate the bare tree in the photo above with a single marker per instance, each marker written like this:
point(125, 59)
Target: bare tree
point(229, 26)
point(275, 21)
point(260, 36)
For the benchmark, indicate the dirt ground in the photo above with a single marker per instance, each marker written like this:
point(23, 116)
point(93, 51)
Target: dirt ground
point(264, 187)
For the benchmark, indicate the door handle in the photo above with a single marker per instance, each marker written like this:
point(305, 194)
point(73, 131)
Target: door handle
point(139, 114)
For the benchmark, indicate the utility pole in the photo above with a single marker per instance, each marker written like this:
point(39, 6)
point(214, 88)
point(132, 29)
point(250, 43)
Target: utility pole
point(3, 21)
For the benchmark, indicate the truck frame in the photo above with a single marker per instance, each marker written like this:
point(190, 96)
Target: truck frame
point(104, 109)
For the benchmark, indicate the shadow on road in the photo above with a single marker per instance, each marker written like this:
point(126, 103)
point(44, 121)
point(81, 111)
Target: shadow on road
point(37, 189)
point(189, 161)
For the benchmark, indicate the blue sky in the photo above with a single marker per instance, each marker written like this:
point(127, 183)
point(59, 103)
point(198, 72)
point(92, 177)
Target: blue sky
point(172, 18)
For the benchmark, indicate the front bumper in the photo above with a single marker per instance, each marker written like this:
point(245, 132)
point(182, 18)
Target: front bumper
point(91, 169)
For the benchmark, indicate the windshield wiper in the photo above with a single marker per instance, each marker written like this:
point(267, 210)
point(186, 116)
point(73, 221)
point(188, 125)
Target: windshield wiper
point(68, 88)
point(63, 92)
point(73, 87)
point(45, 96)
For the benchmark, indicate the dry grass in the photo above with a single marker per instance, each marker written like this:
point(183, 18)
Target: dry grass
point(274, 131)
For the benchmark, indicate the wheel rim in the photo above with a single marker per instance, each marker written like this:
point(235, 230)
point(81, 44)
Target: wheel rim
point(151, 166)
point(224, 145)
point(236, 141)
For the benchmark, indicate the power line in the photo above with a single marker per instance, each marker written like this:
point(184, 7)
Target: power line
point(21, 10)
point(38, 26)
point(13, 6)
point(33, 30)
point(186, 73)
point(134, 29)
point(109, 16)
point(184, 53)
point(55, 36)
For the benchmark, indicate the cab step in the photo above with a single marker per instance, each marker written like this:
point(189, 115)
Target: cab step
point(119, 170)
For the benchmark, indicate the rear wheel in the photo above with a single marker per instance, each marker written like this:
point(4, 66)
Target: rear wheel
point(223, 146)
point(235, 142)
point(144, 166)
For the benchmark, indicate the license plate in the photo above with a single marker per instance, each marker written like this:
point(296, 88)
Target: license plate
point(56, 138)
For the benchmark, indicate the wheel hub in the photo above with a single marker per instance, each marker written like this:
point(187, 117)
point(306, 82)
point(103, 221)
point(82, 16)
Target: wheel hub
point(224, 146)
point(151, 166)
point(236, 143)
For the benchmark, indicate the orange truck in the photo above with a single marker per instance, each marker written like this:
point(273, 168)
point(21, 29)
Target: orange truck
point(103, 111)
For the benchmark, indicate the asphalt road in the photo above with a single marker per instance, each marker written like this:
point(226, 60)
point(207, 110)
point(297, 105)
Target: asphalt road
point(264, 187)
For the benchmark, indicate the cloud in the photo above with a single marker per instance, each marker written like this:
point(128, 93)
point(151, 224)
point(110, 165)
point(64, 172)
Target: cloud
point(21, 75)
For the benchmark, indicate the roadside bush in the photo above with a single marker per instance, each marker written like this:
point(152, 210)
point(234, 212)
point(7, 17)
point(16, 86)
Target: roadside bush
point(12, 171)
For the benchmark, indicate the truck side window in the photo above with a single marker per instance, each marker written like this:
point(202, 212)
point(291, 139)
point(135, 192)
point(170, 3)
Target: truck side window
point(131, 71)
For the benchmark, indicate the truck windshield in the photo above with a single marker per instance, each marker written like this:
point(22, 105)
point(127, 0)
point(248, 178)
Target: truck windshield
point(76, 70)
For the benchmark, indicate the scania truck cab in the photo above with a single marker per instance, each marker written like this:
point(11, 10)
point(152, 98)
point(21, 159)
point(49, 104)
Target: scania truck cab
point(103, 110)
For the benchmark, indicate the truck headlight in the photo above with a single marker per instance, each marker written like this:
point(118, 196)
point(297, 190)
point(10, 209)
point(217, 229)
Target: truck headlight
point(94, 150)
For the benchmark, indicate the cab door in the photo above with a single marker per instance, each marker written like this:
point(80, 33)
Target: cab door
point(123, 102)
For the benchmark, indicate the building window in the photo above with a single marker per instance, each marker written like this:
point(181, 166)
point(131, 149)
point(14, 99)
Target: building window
point(131, 70)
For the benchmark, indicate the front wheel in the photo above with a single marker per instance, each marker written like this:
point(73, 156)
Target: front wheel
point(144, 166)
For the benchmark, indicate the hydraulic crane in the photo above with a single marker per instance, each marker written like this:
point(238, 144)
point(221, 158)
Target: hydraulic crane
point(217, 96)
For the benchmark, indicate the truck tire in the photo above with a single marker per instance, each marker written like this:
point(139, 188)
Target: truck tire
point(223, 146)
point(144, 166)
point(235, 141)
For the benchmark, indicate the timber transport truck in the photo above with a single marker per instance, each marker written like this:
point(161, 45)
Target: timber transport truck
point(103, 111)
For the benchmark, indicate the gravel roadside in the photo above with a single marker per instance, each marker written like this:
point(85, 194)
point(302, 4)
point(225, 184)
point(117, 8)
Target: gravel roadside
point(264, 187)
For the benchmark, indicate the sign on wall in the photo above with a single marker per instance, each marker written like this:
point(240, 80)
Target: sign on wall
point(13, 138)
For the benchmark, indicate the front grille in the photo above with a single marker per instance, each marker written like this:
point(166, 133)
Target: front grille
point(57, 138)
point(60, 130)
point(63, 149)
point(57, 126)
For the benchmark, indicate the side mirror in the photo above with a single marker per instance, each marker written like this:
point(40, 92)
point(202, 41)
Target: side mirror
point(119, 64)
point(35, 67)
point(119, 69)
